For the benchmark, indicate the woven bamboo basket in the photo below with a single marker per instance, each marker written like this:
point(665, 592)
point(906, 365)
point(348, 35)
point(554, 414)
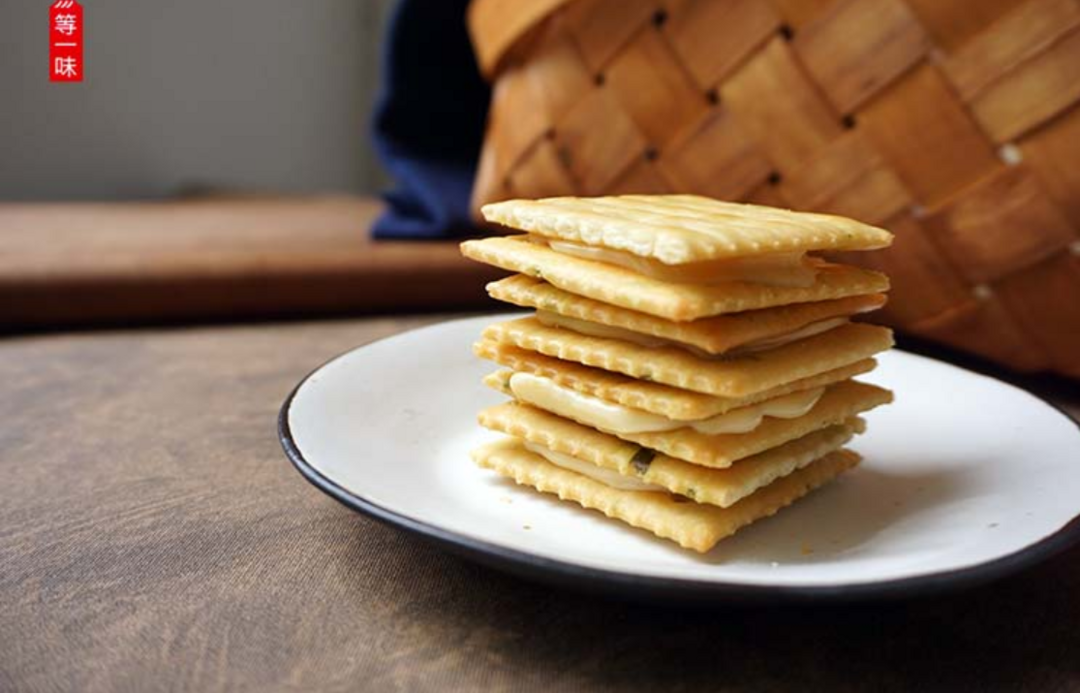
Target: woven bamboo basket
point(953, 123)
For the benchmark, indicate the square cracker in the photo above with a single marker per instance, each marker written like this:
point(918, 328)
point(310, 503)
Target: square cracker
point(839, 403)
point(657, 398)
point(680, 302)
point(722, 487)
point(737, 376)
point(677, 229)
point(691, 525)
point(714, 335)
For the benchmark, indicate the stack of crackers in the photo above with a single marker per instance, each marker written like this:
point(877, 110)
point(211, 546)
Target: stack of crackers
point(689, 366)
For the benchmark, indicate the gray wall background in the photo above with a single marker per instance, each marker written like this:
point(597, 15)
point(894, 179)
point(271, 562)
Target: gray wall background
point(267, 95)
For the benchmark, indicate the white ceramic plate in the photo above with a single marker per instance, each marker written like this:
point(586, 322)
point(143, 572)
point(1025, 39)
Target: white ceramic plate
point(965, 478)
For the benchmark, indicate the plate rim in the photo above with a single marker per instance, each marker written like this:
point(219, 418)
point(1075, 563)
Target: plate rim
point(636, 586)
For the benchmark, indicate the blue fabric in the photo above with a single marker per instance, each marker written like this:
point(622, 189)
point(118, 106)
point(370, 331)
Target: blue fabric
point(428, 123)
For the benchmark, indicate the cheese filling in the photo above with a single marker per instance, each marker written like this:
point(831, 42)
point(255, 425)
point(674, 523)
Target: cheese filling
point(595, 329)
point(615, 418)
point(607, 477)
point(774, 269)
point(793, 336)
point(608, 332)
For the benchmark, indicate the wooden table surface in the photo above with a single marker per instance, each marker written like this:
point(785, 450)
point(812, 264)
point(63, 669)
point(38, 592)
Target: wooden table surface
point(218, 258)
point(153, 537)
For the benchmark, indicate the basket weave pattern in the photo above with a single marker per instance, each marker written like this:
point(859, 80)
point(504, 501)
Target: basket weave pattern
point(955, 124)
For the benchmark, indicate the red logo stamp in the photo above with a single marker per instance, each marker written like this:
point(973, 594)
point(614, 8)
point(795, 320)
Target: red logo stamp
point(66, 41)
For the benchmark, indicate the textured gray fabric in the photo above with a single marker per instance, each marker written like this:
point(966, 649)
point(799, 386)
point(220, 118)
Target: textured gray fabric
point(153, 537)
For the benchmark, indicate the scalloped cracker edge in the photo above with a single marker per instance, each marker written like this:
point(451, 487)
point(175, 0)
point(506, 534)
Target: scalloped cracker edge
point(657, 398)
point(691, 525)
point(839, 403)
point(618, 286)
point(714, 335)
point(738, 376)
point(677, 229)
point(720, 487)
point(719, 451)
